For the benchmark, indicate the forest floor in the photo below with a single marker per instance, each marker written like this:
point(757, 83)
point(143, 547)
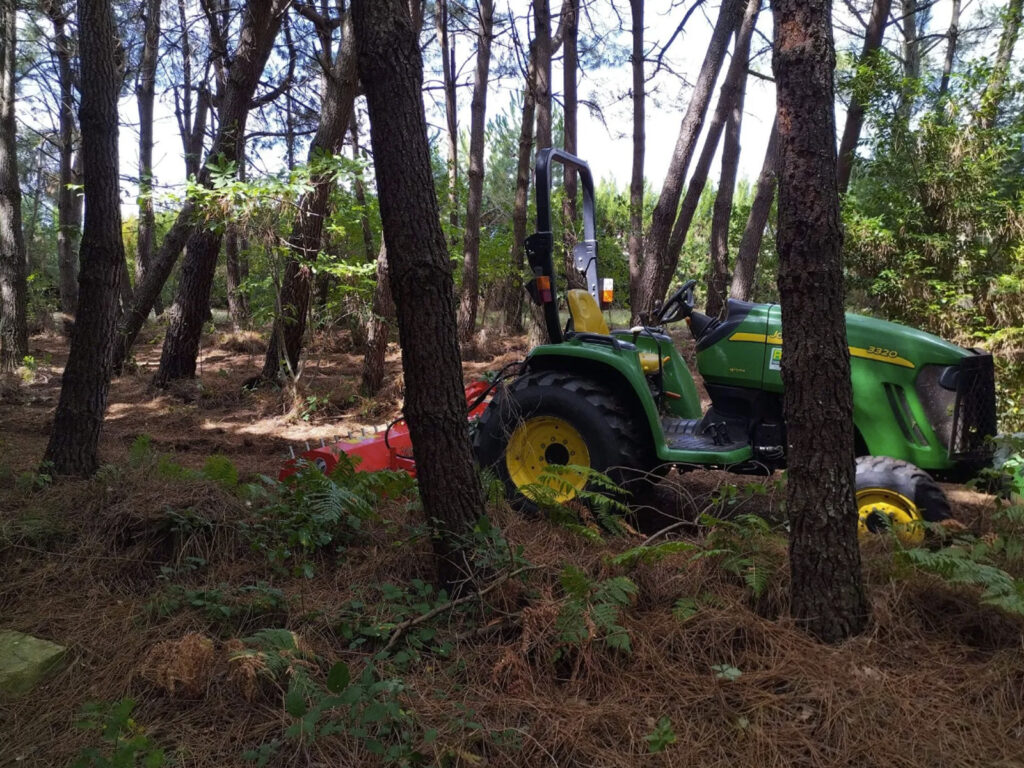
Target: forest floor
point(162, 573)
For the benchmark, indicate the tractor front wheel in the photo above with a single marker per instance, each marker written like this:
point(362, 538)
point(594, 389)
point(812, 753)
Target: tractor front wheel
point(895, 494)
point(551, 419)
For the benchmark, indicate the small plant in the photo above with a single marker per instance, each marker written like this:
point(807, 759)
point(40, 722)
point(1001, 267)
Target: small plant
point(27, 482)
point(225, 607)
point(662, 737)
point(323, 700)
point(311, 404)
point(597, 504)
point(744, 547)
point(592, 610)
point(127, 743)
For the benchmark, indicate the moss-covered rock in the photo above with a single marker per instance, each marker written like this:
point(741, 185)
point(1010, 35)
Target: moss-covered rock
point(24, 661)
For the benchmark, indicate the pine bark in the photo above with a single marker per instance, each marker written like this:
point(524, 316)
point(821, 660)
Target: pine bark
point(855, 114)
point(655, 273)
point(145, 95)
point(753, 233)
point(238, 305)
point(391, 71)
point(336, 110)
point(636, 181)
point(378, 329)
point(262, 20)
point(68, 230)
point(827, 596)
point(74, 441)
point(469, 298)
point(13, 276)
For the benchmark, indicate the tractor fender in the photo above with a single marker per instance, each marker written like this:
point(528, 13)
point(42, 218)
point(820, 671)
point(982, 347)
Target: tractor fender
point(613, 368)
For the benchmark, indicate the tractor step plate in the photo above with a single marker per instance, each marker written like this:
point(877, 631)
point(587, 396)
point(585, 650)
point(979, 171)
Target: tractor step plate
point(688, 435)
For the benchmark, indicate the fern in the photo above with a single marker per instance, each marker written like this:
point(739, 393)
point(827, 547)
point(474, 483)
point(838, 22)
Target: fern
point(593, 610)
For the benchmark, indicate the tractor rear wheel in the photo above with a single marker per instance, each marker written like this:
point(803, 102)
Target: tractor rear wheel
point(894, 493)
point(549, 419)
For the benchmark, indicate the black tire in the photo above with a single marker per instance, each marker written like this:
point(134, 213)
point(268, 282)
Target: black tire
point(907, 480)
point(617, 440)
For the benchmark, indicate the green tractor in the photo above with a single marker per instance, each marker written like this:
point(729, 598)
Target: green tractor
point(623, 402)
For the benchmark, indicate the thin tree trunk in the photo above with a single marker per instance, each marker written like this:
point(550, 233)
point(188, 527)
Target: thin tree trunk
point(636, 182)
point(513, 316)
point(359, 188)
point(911, 52)
point(67, 229)
point(447, 44)
point(570, 67)
point(855, 114)
point(718, 285)
point(753, 232)
point(469, 299)
point(378, 329)
point(655, 273)
point(261, 23)
point(391, 71)
point(952, 37)
point(13, 277)
point(336, 110)
point(733, 86)
point(995, 90)
point(238, 307)
point(145, 94)
point(827, 594)
point(74, 441)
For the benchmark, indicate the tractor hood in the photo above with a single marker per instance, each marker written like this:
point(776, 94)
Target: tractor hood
point(875, 339)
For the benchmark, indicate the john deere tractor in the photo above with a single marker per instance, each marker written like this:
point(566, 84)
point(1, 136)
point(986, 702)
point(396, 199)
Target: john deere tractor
point(624, 402)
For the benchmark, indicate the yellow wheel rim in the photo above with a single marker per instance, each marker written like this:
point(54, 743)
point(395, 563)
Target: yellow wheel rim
point(874, 504)
point(543, 442)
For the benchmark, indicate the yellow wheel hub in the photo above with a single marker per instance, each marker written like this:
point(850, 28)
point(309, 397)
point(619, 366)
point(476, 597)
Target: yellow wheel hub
point(874, 504)
point(540, 444)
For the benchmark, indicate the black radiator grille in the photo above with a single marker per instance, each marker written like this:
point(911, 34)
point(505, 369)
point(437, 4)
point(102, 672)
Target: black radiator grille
point(974, 413)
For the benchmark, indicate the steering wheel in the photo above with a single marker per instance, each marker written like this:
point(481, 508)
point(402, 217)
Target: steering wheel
point(678, 306)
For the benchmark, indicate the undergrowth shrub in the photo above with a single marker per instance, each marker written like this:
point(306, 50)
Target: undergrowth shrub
point(311, 513)
point(126, 742)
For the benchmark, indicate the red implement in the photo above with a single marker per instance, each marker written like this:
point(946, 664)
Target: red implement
point(391, 449)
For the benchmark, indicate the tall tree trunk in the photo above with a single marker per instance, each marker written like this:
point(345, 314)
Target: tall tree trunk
point(570, 67)
point(378, 329)
point(952, 37)
point(911, 53)
point(655, 274)
point(469, 298)
point(260, 25)
point(718, 285)
point(535, 330)
point(336, 111)
point(636, 181)
point(513, 316)
point(83, 395)
point(13, 277)
point(67, 229)
point(447, 44)
point(145, 94)
point(733, 86)
point(391, 71)
point(995, 89)
point(855, 114)
point(826, 591)
point(753, 232)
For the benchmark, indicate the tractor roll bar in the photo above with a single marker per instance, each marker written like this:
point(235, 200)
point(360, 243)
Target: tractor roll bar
point(540, 245)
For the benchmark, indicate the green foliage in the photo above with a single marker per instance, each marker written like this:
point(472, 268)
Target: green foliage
point(727, 672)
point(744, 546)
point(313, 513)
point(599, 497)
point(592, 610)
point(662, 737)
point(227, 607)
point(323, 699)
point(127, 745)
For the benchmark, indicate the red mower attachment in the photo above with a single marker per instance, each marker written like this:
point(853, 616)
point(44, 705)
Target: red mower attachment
point(390, 449)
